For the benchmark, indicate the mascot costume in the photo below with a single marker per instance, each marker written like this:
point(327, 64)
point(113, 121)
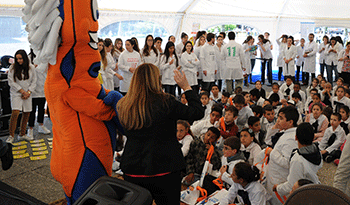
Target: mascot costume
point(63, 33)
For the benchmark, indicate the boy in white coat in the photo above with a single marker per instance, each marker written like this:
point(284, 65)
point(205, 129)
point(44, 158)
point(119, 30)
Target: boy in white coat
point(289, 53)
point(233, 56)
point(310, 58)
point(208, 62)
point(305, 162)
point(282, 136)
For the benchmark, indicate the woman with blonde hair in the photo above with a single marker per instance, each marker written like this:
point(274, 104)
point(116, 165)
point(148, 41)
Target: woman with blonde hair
point(152, 156)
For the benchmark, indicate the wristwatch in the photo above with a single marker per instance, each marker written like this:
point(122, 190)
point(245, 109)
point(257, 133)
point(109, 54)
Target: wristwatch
point(30, 92)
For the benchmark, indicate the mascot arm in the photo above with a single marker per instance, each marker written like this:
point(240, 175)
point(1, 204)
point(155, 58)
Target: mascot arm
point(82, 101)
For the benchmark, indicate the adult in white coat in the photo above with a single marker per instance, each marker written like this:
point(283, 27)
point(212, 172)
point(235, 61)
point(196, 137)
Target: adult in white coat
point(310, 58)
point(322, 51)
point(208, 62)
point(169, 62)
point(235, 63)
point(300, 60)
point(249, 50)
point(332, 51)
point(266, 58)
point(129, 60)
point(197, 50)
point(179, 47)
point(149, 53)
point(189, 63)
point(289, 53)
point(282, 43)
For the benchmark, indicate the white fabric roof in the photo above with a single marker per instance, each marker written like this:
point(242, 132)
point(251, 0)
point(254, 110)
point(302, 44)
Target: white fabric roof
point(274, 16)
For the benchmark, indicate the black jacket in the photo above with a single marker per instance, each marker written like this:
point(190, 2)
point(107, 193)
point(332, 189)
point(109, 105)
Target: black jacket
point(156, 150)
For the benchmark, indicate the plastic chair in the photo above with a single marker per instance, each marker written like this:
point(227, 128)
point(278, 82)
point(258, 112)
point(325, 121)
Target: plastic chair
point(317, 194)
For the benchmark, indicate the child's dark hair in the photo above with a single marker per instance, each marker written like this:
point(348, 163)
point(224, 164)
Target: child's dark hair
point(305, 133)
point(298, 84)
point(345, 108)
point(237, 89)
point(341, 87)
point(303, 182)
point(258, 81)
point(347, 91)
point(252, 120)
point(290, 113)
point(268, 108)
point(269, 101)
point(206, 93)
point(317, 104)
point(251, 133)
point(233, 142)
point(226, 94)
point(288, 77)
point(239, 99)
point(314, 89)
point(247, 172)
point(341, 79)
point(327, 112)
point(337, 115)
point(296, 95)
point(215, 131)
point(255, 92)
point(275, 84)
point(232, 109)
point(317, 95)
point(186, 125)
point(258, 110)
point(274, 97)
point(214, 86)
point(216, 108)
point(244, 93)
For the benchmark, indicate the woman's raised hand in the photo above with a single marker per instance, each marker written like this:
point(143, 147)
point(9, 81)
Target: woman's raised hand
point(181, 80)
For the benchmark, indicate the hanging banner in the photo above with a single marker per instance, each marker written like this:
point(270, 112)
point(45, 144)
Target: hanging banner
point(306, 28)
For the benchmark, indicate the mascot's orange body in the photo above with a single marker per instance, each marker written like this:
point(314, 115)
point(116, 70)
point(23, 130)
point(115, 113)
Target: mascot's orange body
point(82, 128)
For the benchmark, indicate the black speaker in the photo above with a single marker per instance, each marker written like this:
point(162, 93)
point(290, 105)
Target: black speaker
point(110, 191)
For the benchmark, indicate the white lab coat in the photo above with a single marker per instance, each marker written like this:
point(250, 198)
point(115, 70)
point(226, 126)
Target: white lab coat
point(322, 53)
point(242, 118)
point(280, 94)
point(153, 58)
point(300, 53)
point(341, 54)
point(310, 60)
point(342, 175)
point(41, 72)
point(300, 168)
point(202, 126)
point(197, 51)
point(108, 72)
point(339, 132)
point(345, 100)
point(282, 47)
point(287, 54)
point(126, 61)
point(186, 142)
point(278, 169)
point(256, 193)
point(247, 56)
point(178, 49)
point(189, 63)
point(234, 58)
point(208, 62)
point(332, 57)
point(254, 149)
point(267, 53)
point(168, 70)
point(226, 176)
point(302, 94)
point(284, 87)
point(219, 62)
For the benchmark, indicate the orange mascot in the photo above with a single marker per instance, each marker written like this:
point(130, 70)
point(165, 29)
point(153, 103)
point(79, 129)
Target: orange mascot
point(84, 126)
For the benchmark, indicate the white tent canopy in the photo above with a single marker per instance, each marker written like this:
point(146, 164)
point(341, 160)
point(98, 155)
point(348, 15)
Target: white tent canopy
point(274, 16)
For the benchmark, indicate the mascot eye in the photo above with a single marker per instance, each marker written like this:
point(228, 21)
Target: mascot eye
point(94, 10)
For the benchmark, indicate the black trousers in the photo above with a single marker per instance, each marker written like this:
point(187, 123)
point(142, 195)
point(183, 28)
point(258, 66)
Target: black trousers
point(40, 103)
point(307, 77)
point(165, 189)
point(207, 86)
point(169, 89)
point(266, 64)
point(280, 70)
point(219, 83)
point(195, 88)
point(297, 75)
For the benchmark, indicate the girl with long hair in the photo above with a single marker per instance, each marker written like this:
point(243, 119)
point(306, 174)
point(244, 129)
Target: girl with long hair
point(108, 65)
point(129, 60)
point(197, 50)
point(322, 51)
point(266, 55)
point(332, 51)
point(189, 62)
point(184, 136)
point(282, 43)
point(118, 49)
point(149, 53)
point(250, 52)
point(169, 62)
point(22, 82)
point(152, 157)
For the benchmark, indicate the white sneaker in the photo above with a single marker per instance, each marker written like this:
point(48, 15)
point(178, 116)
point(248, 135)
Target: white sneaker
point(26, 137)
point(30, 133)
point(42, 129)
point(10, 139)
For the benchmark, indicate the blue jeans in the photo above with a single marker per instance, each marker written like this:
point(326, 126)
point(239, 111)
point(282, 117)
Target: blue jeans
point(330, 69)
point(322, 67)
point(269, 70)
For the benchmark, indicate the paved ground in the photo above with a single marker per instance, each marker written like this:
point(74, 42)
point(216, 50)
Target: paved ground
point(35, 179)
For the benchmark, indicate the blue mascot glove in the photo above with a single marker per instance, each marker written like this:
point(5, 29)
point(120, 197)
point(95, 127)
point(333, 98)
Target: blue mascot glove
point(112, 99)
